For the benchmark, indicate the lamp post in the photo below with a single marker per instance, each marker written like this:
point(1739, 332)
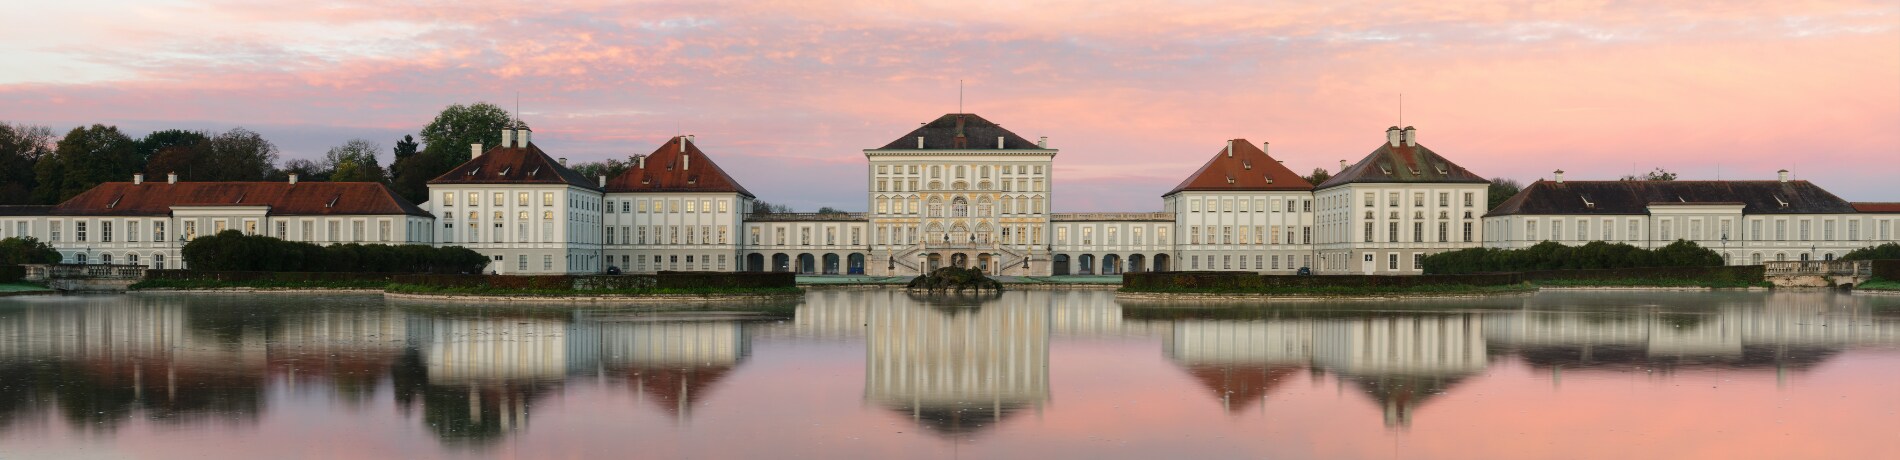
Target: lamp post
point(1725, 260)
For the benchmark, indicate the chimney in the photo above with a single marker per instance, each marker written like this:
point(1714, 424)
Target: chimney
point(920, 142)
point(1042, 143)
point(1263, 147)
point(642, 159)
point(686, 161)
point(563, 161)
point(1230, 148)
point(1411, 136)
point(1394, 137)
point(1560, 176)
point(508, 137)
point(1342, 165)
point(692, 139)
point(474, 151)
point(603, 181)
point(522, 137)
point(682, 144)
point(293, 179)
point(138, 179)
point(171, 178)
point(1784, 176)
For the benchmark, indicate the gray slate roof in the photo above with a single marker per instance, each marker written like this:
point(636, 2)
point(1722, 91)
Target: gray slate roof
point(1634, 197)
point(978, 134)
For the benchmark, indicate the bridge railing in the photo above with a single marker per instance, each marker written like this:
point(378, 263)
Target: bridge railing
point(1820, 267)
point(43, 272)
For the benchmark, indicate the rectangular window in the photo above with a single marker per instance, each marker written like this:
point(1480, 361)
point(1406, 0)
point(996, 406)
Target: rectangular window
point(1368, 232)
point(1392, 261)
point(1444, 199)
point(1467, 199)
point(547, 262)
point(382, 231)
point(105, 231)
point(690, 207)
point(132, 231)
point(1467, 232)
point(1418, 261)
point(521, 262)
point(1392, 232)
point(547, 199)
point(283, 230)
point(79, 231)
point(448, 198)
point(1443, 234)
point(1418, 232)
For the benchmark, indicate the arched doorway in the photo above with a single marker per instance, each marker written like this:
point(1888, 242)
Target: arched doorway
point(831, 264)
point(1061, 266)
point(983, 262)
point(933, 262)
point(1162, 262)
point(854, 264)
point(1087, 265)
point(1134, 263)
point(959, 260)
point(755, 262)
point(781, 262)
point(807, 264)
point(1111, 264)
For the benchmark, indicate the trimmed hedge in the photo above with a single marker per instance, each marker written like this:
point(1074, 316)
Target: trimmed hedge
point(243, 276)
point(1243, 281)
point(1888, 269)
point(11, 273)
point(634, 283)
point(26, 250)
point(232, 250)
point(1723, 274)
point(1554, 256)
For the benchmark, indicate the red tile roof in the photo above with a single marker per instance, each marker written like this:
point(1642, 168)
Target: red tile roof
point(668, 171)
point(1877, 207)
point(514, 165)
point(284, 198)
point(1248, 169)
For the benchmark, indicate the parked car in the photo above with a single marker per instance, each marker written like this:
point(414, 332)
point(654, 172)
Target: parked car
point(1304, 271)
point(612, 270)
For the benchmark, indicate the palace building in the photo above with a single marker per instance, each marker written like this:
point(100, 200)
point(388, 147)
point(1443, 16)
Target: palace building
point(960, 190)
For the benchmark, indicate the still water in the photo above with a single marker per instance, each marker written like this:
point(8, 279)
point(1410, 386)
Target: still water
point(883, 374)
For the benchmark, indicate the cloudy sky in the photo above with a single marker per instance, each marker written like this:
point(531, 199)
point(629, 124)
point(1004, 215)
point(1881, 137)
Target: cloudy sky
point(787, 94)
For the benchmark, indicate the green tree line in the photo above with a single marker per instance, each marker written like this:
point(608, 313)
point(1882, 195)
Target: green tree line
point(39, 167)
point(1554, 256)
point(232, 250)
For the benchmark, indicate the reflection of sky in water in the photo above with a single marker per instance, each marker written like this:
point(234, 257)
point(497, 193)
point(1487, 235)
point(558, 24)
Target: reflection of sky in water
point(884, 373)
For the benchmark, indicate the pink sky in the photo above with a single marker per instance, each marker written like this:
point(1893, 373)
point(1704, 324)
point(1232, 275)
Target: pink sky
point(785, 95)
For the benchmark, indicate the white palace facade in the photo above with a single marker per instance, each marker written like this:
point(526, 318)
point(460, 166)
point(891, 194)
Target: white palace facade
point(960, 191)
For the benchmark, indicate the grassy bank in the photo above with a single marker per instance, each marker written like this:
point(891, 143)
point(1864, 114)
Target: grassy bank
point(258, 284)
point(1343, 291)
point(21, 286)
point(496, 291)
point(1653, 282)
point(1879, 285)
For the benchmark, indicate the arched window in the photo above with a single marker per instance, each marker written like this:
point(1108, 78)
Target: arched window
point(959, 207)
point(983, 207)
point(1006, 207)
point(936, 172)
point(936, 207)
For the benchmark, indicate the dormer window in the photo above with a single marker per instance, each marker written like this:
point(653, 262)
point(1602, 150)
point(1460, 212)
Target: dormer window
point(1269, 180)
point(504, 171)
point(1230, 179)
point(533, 172)
point(332, 202)
point(1783, 203)
point(1412, 169)
point(1244, 164)
point(1441, 168)
point(1385, 170)
point(692, 180)
point(1587, 203)
point(646, 181)
point(472, 172)
point(240, 198)
point(115, 202)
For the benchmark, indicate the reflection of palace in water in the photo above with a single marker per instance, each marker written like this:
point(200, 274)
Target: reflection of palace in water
point(474, 377)
point(1402, 359)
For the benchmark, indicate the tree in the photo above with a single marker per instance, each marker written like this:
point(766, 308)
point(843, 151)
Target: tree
point(1500, 190)
point(404, 148)
point(355, 161)
point(21, 148)
point(609, 167)
point(236, 155)
point(1658, 174)
point(158, 141)
point(830, 210)
point(445, 144)
point(306, 170)
point(1883, 251)
point(26, 250)
point(763, 207)
point(86, 157)
point(1319, 175)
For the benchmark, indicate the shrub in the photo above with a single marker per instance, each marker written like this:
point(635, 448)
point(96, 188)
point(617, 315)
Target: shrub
point(954, 279)
point(1554, 256)
point(232, 250)
point(26, 250)
point(1883, 251)
point(11, 273)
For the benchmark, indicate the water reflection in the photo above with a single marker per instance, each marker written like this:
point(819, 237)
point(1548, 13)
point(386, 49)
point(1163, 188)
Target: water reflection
point(959, 368)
